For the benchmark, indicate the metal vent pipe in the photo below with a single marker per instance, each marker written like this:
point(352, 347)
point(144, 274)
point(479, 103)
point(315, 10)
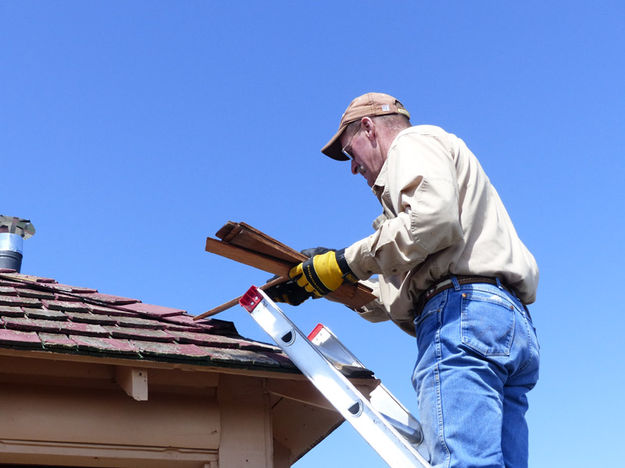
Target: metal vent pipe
point(13, 231)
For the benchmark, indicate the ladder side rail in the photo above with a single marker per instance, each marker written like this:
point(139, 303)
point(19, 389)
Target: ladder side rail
point(380, 398)
point(349, 402)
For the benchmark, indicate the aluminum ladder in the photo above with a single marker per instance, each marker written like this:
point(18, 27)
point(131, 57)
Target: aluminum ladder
point(381, 420)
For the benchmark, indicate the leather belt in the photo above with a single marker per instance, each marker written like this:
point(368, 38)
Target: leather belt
point(447, 283)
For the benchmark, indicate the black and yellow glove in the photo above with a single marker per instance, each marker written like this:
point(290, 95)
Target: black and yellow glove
point(288, 292)
point(323, 273)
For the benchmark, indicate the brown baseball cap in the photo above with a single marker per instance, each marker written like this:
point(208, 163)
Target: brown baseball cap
point(370, 104)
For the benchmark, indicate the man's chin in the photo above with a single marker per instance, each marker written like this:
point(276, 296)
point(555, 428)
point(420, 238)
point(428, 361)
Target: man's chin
point(370, 178)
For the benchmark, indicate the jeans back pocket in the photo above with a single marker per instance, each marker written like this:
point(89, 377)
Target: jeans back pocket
point(487, 322)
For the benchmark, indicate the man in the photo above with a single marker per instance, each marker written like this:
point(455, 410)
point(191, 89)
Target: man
point(452, 271)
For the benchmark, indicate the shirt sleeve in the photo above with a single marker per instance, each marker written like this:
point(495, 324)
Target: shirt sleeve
point(421, 186)
point(374, 311)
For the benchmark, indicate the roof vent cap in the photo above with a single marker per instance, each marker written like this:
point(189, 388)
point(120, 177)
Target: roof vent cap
point(13, 231)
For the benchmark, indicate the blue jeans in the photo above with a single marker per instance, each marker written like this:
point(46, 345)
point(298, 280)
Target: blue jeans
point(478, 357)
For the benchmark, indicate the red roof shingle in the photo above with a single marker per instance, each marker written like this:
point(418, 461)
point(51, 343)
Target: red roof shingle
point(41, 314)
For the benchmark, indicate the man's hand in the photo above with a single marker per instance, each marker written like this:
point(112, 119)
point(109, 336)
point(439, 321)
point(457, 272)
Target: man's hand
point(288, 292)
point(323, 273)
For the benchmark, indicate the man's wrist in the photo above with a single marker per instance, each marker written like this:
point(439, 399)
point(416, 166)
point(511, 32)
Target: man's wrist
point(356, 258)
point(348, 274)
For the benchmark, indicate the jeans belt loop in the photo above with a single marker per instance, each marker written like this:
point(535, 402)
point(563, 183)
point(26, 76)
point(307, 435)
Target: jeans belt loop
point(454, 281)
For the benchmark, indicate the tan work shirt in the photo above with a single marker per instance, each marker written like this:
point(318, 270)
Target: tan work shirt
point(441, 216)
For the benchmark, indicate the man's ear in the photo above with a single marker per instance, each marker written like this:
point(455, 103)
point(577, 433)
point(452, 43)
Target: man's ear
point(368, 127)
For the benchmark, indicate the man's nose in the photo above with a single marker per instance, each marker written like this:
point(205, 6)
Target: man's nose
point(354, 167)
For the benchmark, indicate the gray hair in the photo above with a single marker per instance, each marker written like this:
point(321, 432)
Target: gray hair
point(393, 122)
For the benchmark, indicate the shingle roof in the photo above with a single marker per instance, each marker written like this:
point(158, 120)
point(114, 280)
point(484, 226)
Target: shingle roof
point(40, 314)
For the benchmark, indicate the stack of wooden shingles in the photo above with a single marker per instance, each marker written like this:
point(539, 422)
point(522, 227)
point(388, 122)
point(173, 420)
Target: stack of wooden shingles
point(245, 244)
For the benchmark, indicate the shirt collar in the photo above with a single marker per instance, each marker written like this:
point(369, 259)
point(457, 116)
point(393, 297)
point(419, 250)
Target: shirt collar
point(381, 179)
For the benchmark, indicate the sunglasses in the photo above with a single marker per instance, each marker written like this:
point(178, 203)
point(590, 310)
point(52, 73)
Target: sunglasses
point(347, 149)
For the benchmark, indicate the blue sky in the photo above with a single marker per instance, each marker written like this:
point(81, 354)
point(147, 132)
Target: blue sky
point(130, 131)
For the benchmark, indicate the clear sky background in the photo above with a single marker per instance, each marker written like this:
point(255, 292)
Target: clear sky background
point(130, 131)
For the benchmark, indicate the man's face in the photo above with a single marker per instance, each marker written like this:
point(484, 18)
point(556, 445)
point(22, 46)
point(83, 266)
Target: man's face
point(364, 152)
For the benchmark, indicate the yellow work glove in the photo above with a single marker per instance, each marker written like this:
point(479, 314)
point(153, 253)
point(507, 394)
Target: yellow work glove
point(323, 273)
point(288, 292)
